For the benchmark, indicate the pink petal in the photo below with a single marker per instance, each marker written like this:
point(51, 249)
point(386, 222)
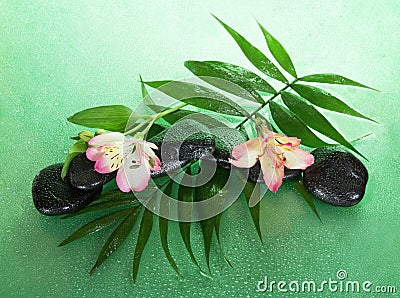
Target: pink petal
point(273, 170)
point(106, 139)
point(106, 165)
point(93, 153)
point(281, 139)
point(122, 181)
point(296, 158)
point(135, 172)
point(246, 154)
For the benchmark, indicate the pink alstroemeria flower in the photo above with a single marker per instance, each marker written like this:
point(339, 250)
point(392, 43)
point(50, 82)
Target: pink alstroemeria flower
point(133, 158)
point(274, 151)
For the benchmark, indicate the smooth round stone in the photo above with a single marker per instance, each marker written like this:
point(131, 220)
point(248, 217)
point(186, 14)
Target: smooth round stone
point(187, 141)
point(225, 140)
point(256, 176)
point(55, 196)
point(82, 175)
point(337, 177)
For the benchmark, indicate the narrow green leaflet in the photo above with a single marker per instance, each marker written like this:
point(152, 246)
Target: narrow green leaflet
point(292, 125)
point(185, 194)
point(279, 52)
point(331, 78)
point(157, 84)
point(314, 119)
point(299, 186)
point(115, 194)
point(79, 147)
point(253, 189)
point(209, 121)
point(163, 227)
point(199, 96)
point(145, 94)
point(255, 56)
point(146, 226)
point(96, 225)
point(208, 71)
point(103, 206)
point(210, 189)
point(325, 100)
point(255, 80)
point(116, 238)
point(112, 117)
point(217, 225)
point(154, 130)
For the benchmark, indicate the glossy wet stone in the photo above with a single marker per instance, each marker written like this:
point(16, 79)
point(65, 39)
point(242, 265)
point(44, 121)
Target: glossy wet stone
point(254, 174)
point(225, 140)
point(55, 196)
point(82, 175)
point(337, 177)
point(180, 144)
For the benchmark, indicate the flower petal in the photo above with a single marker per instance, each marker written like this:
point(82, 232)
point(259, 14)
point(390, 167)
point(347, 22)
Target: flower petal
point(154, 161)
point(281, 139)
point(107, 139)
point(273, 170)
point(135, 172)
point(246, 154)
point(94, 153)
point(296, 158)
point(110, 160)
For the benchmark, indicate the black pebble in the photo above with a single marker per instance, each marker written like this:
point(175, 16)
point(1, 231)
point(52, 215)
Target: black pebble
point(55, 196)
point(256, 176)
point(186, 141)
point(337, 177)
point(82, 175)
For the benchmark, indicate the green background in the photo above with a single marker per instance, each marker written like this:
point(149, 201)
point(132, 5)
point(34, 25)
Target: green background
point(58, 57)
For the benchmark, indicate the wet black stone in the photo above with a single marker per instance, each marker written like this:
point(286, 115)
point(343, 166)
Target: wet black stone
point(82, 175)
point(337, 177)
point(225, 140)
point(186, 141)
point(254, 174)
point(55, 196)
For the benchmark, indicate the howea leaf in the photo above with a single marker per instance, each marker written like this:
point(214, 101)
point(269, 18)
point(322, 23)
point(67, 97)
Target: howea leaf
point(185, 194)
point(154, 130)
point(255, 56)
point(115, 194)
point(314, 119)
point(331, 78)
point(117, 237)
point(76, 149)
point(209, 121)
point(163, 227)
point(279, 52)
point(103, 206)
point(211, 188)
point(327, 101)
point(146, 226)
point(252, 189)
point(292, 125)
point(199, 96)
point(253, 79)
point(208, 71)
point(96, 225)
point(113, 117)
point(298, 184)
point(145, 94)
point(217, 226)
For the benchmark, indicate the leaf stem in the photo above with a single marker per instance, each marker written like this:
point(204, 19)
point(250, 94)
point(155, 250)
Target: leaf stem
point(150, 121)
point(288, 85)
